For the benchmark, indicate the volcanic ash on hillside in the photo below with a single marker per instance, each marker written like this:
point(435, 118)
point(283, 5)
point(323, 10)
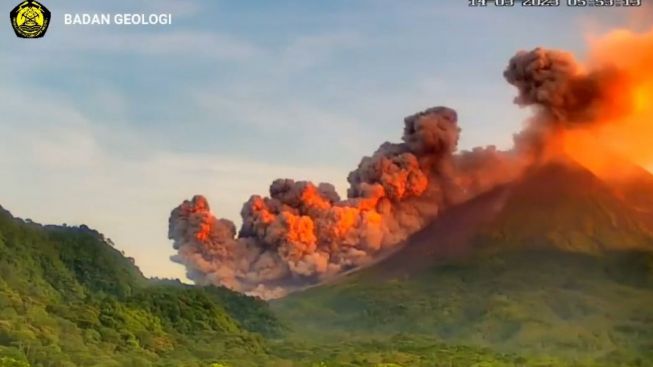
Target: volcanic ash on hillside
point(303, 233)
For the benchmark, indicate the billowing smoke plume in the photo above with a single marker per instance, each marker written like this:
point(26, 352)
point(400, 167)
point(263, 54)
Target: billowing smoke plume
point(591, 112)
point(565, 95)
point(554, 81)
point(303, 233)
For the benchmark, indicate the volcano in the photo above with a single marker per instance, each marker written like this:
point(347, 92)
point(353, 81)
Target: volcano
point(559, 262)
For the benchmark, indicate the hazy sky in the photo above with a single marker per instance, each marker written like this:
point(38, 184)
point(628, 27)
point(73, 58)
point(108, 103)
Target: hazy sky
point(113, 126)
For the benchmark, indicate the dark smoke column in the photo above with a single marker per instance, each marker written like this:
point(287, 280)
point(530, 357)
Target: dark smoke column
point(302, 233)
point(567, 96)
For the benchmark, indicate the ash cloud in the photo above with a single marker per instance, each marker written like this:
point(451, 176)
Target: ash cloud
point(303, 233)
point(566, 94)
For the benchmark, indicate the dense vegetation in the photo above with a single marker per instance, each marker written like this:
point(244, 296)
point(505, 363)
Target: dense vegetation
point(572, 306)
point(67, 298)
point(570, 284)
point(564, 270)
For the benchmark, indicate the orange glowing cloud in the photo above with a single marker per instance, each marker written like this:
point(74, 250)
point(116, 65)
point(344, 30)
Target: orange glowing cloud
point(627, 135)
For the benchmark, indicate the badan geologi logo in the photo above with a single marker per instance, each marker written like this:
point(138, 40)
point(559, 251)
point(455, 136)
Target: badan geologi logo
point(30, 19)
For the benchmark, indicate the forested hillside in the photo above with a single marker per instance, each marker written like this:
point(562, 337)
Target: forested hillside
point(68, 298)
point(556, 265)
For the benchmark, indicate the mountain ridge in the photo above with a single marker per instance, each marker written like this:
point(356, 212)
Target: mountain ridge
point(553, 264)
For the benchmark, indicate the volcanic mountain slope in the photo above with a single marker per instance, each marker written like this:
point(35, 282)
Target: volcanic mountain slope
point(68, 299)
point(558, 263)
point(561, 205)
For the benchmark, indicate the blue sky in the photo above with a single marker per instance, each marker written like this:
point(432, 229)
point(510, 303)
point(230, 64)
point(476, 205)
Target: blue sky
point(113, 126)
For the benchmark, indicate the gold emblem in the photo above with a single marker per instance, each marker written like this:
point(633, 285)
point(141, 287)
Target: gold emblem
point(30, 19)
